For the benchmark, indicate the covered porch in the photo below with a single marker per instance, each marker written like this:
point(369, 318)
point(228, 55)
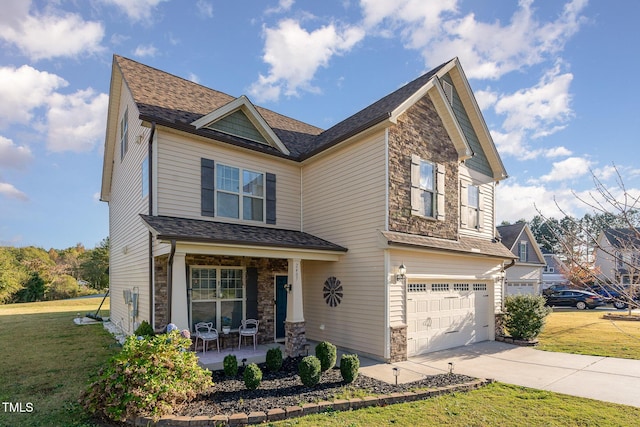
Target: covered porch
point(226, 273)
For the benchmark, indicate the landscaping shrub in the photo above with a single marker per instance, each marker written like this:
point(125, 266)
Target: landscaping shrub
point(230, 365)
point(147, 378)
point(274, 359)
point(144, 330)
point(525, 316)
point(309, 371)
point(327, 353)
point(349, 366)
point(252, 376)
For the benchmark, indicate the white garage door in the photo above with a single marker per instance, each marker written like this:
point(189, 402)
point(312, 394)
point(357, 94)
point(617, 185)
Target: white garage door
point(519, 288)
point(443, 315)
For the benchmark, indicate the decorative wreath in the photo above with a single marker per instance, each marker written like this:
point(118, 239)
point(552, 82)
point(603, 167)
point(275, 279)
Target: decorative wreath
point(332, 291)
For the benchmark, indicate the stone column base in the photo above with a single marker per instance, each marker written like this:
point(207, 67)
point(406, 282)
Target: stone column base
point(500, 332)
point(295, 339)
point(398, 343)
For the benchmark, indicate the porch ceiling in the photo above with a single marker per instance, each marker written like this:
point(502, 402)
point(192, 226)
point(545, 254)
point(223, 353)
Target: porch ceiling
point(187, 230)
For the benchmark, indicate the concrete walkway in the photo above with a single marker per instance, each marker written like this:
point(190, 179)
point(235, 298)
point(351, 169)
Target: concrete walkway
point(602, 378)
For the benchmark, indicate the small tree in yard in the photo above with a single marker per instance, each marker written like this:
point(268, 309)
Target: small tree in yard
point(525, 316)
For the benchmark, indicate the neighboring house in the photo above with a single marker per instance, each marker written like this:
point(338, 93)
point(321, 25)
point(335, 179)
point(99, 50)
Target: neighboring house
point(221, 210)
point(524, 276)
point(554, 272)
point(617, 256)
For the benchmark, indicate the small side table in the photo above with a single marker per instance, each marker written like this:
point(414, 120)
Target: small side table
point(228, 340)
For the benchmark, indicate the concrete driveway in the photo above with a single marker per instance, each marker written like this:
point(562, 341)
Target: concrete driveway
point(603, 378)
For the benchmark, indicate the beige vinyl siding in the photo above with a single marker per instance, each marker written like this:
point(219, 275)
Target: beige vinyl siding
point(344, 202)
point(128, 236)
point(179, 178)
point(487, 194)
point(422, 264)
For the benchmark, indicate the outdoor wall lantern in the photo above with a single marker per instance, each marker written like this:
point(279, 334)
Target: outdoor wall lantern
point(402, 270)
point(287, 287)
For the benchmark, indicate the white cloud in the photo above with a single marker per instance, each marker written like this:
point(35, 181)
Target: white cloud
point(487, 50)
point(12, 155)
point(194, 78)
point(557, 152)
point(50, 34)
point(8, 190)
point(283, 6)
point(205, 8)
point(295, 54)
point(145, 51)
point(568, 169)
point(24, 89)
point(516, 201)
point(77, 121)
point(138, 10)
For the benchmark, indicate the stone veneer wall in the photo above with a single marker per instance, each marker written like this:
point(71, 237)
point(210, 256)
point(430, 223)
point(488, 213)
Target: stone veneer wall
point(420, 131)
point(296, 339)
point(161, 300)
point(267, 268)
point(398, 343)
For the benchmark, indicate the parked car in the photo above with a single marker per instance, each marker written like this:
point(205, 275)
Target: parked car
point(614, 294)
point(574, 298)
point(554, 288)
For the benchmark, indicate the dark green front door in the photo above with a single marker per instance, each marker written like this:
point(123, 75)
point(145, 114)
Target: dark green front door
point(281, 305)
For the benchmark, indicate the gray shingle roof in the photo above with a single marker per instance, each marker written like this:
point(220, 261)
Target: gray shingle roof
point(175, 102)
point(509, 233)
point(623, 238)
point(467, 245)
point(195, 230)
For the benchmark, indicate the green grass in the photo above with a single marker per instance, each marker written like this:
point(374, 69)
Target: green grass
point(47, 360)
point(494, 405)
point(586, 332)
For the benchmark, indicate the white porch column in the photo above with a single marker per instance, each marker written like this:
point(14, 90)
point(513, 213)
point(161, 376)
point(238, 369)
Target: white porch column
point(179, 309)
point(295, 312)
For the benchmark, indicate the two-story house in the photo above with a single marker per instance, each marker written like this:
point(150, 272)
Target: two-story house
point(376, 234)
point(617, 256)
point(554, 272)
point(523, 276)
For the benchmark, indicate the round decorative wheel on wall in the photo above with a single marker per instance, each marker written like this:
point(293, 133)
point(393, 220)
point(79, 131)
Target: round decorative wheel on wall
point(332, 291)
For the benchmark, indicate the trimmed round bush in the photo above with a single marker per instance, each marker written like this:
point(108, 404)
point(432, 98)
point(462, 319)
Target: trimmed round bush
point(525, 316)
point(252, 376)
point(274, 359)
point(349, 366)
point(230, 365)
point(149, 377)
point(309, 371)
point(327, 353)
point(144, 330)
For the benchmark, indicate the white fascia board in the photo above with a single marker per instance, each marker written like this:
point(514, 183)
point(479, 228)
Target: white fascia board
point(417, 95)
point(457, 136)
point(113, 112)
point(243, 103)
point(204, 248)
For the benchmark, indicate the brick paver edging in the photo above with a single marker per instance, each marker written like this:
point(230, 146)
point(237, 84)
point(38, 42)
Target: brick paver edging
point(277, 414)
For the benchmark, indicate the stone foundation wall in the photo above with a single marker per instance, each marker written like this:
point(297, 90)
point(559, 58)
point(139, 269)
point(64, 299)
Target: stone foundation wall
point(161, 299)
point(420, 131)
point(500, 331)
point(398, 343)
point(295, 339)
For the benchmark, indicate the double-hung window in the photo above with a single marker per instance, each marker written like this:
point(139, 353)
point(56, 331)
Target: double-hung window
point(217, 295)
point(124, 134)
point(523, 252)
point(473, 206)
point(426, 186)
point(240, 192)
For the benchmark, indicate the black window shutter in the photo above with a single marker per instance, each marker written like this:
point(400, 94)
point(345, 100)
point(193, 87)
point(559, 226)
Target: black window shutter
point(252, 293)
point(271, 198)
point(207, 186)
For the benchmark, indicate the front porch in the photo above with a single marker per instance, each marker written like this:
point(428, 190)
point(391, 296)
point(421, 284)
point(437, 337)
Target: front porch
point(213, 359)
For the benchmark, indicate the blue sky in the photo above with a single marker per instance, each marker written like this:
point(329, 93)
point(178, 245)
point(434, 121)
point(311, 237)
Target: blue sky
point(556, 81)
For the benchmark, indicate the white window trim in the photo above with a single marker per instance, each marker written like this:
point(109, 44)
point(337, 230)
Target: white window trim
point(124, 133)
point(241, 194)
point(218, 300)
point(417, 191)
point(521, 252)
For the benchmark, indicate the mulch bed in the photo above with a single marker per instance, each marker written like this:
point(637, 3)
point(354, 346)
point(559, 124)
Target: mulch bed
point(284, 388)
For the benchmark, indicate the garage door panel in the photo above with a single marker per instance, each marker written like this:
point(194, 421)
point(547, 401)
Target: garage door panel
point(446, 315)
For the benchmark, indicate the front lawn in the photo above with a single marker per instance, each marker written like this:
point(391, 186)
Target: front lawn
point(47, 361)
point(586, 332)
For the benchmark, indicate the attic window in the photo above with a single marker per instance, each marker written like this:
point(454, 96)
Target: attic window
point(448, 91)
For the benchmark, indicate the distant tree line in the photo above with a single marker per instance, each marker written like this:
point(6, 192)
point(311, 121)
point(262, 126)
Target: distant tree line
point(30, 274)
